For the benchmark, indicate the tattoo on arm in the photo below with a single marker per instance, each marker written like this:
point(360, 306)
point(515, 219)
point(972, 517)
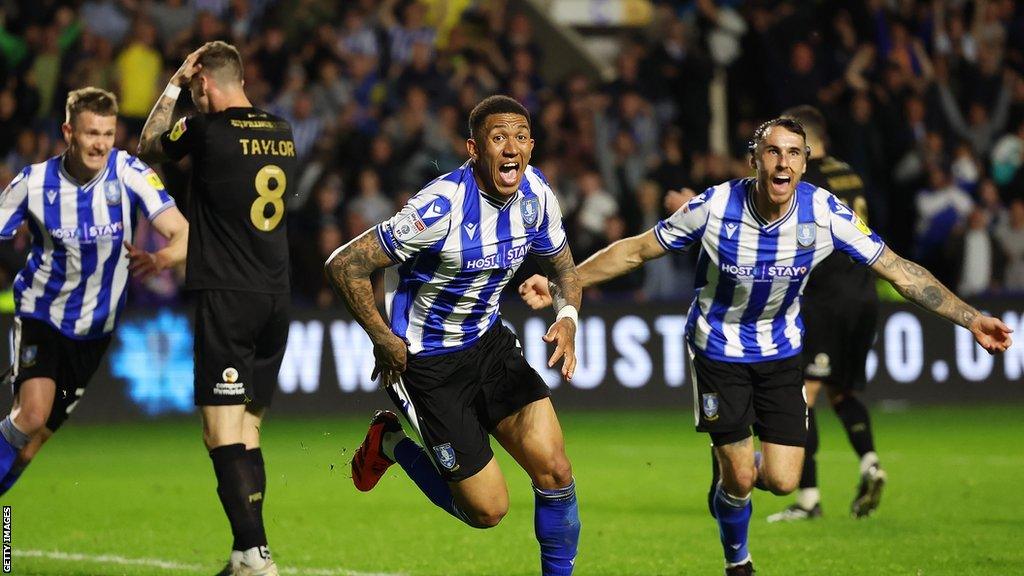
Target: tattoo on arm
point(348, 272)
point(150, 149)
point(918, 285)
point(563, 281)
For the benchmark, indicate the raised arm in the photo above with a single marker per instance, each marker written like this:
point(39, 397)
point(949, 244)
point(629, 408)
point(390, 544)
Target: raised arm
point(566, 296)
point(917, 284)
point(348, 270)
point(618, 258)
point(159, 121)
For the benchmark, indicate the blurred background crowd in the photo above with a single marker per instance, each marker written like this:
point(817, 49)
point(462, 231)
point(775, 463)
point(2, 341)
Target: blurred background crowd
point(924, 98)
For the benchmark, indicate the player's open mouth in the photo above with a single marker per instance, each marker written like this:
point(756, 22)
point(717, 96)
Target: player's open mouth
point(780, 181)
point(509, 173)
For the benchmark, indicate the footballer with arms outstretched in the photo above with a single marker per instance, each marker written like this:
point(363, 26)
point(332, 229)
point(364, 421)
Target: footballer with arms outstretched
point(759, 238)
point(839, 307)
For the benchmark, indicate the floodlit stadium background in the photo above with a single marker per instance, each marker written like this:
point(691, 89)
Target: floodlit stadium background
point(628, 99)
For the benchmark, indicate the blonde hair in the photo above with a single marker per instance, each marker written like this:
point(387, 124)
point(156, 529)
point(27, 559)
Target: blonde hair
point(92, 99)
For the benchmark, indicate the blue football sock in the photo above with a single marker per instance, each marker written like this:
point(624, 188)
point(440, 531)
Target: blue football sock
point(417, 465)
point(12, 441)
point(556, 520)
point(733, 515)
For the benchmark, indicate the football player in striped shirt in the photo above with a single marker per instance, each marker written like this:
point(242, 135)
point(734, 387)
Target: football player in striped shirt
point(839, 308)
point(452, 367)
point(79, 208)
point(759, 239)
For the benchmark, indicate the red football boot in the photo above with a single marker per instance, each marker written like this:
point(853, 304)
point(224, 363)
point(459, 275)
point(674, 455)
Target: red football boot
point(370, 463)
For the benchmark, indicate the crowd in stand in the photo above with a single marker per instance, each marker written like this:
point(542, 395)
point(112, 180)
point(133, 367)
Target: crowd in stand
point(923, 98)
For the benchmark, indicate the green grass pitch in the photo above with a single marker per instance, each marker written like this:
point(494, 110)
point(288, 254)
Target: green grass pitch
point(139, 499)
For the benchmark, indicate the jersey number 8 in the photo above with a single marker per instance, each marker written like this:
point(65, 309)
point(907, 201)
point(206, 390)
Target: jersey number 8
point(270, 184)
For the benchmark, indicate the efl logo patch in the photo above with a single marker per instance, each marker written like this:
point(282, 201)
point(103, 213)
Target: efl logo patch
point(860, 225)
point(408, 227)
point(709, 405)
point(112, 193)
point(445, 455)
point(530, 209)
point(154, 180)
point(805, 234)
point(28, 356)
point(178, 130)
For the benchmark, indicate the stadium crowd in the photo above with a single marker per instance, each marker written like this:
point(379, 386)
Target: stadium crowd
point(925, 99)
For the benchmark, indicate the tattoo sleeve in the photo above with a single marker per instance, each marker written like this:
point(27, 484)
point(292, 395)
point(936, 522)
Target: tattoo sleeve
point(563, 280)
point(150, 149)
point(348, 272)
point(918, 285)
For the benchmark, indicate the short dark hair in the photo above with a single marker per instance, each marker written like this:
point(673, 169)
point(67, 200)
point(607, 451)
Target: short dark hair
point(497, 104)
point(221, 59)
point(811, 118)
point(91, 99)
point(791, 124)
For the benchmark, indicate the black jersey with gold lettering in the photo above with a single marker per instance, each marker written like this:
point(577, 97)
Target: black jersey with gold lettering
point(838, 277)
point(243, 161)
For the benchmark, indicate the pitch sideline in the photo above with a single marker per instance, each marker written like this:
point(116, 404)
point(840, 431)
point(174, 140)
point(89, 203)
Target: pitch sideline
point(178, 566)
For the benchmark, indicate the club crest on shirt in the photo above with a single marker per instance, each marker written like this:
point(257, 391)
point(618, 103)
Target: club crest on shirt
point(805, 234)
point(709, 405)
point(530, 209)
point(28, 356)
point(112, 192)
point(445, 455)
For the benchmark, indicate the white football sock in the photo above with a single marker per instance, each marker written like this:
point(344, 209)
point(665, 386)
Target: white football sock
point(256, 557)
point(806, 498)
point(867, 461)
point(388, 442)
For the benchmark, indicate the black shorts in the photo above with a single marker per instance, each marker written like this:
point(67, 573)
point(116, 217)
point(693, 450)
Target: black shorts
point(730, 397)
point(455, 400)
point(41, 351)
point(837, 339)
point(240, 339)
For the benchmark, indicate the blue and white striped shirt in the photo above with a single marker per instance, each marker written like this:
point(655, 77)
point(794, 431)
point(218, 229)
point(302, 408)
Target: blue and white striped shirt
point(750, 273)
point(77, 270)
point(457, 249)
